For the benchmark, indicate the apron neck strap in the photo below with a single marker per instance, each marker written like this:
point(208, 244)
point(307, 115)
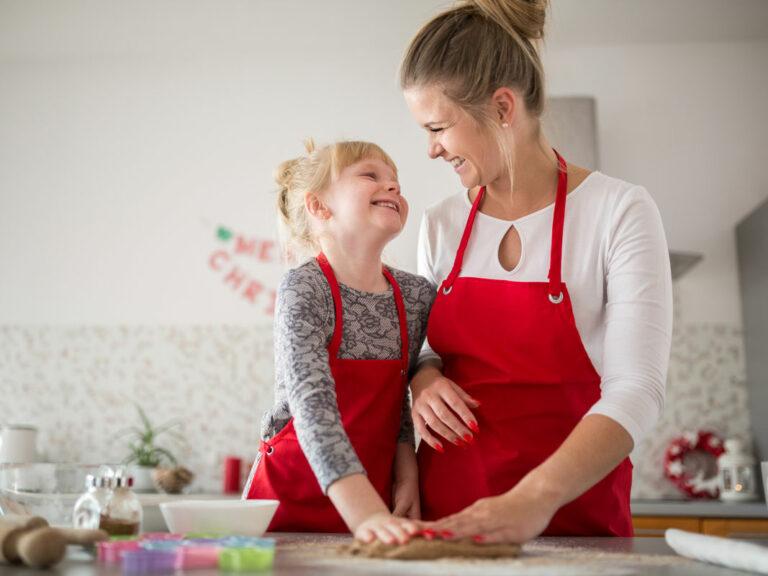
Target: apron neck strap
point(556, 249)
point(325, 266)
point(448, 282)
point(333, 349)
point(401, 319)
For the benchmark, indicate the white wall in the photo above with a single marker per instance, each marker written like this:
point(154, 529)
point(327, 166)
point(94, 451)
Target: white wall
point(129, 132)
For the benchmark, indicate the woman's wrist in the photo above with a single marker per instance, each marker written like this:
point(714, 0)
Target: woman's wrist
point(426, 373)
point(544, 487)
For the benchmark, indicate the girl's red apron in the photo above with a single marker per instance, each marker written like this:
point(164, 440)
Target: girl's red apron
point(514, 347)
point(370, 395)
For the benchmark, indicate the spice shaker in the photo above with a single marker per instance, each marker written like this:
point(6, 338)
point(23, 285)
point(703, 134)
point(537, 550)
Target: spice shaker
point(93, 503)
point(124, 515)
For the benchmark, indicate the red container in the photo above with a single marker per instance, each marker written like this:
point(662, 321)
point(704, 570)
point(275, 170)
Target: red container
point(232, 466)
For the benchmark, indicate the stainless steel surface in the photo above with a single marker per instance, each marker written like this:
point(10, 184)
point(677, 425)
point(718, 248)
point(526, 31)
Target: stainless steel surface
point(700, 508)
point(304, 554)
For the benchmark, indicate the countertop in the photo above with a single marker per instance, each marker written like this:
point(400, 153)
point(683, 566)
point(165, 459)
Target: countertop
point(700, 508)
point(316, 554)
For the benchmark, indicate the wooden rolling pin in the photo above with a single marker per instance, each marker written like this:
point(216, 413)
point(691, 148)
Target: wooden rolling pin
point(29, 540)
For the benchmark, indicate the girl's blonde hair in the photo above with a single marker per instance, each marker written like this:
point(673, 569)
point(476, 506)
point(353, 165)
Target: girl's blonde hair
point(314, 173)
point(477, 47)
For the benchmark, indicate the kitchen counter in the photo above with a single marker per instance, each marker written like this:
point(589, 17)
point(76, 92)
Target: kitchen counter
point(699, 508)
point(304, 554)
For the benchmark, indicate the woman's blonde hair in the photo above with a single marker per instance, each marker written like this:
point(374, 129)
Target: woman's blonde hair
point(477, 47)
point(314, 173)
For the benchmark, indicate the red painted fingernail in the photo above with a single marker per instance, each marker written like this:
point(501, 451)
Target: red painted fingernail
point(429, 534)
point(446, 533)
point(478, 537)
point(474, 427)
point(468, 439)
point(439, 448)
point(460, 443)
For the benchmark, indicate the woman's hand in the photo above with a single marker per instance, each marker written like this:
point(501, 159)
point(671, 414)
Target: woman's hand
point(387, 528)
point(515, 516)
point(405, 486)
point(595, 447)
point(441, 407)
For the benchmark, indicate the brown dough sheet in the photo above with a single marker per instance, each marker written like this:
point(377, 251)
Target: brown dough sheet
point(423, 549)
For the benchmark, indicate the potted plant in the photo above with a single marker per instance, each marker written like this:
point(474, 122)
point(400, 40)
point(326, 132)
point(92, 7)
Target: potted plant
point(145, 454)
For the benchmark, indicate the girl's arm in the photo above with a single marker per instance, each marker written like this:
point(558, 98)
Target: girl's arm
point(365, 513)
point(405, 487)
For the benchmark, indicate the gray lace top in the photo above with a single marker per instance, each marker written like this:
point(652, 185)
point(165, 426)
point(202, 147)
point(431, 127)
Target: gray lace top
point(304, 388)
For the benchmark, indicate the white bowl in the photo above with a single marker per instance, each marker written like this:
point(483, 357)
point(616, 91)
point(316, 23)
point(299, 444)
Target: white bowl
point(230, 517)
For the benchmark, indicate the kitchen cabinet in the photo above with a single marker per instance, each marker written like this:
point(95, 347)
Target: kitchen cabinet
point(733, 520)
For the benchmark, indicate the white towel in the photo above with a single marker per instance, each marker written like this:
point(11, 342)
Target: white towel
point(731, 553)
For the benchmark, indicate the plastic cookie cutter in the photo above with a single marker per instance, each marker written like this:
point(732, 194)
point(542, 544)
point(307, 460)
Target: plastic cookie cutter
point(246, 559)
point(111, 552)
point(196, 557)
point(149, 562)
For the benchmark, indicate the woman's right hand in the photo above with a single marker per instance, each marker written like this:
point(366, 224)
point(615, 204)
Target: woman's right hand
point(441, 408)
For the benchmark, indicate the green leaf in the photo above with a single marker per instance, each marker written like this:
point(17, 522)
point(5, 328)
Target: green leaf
point(223, 233)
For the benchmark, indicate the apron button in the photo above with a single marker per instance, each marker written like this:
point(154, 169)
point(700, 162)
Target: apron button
point(270, 450)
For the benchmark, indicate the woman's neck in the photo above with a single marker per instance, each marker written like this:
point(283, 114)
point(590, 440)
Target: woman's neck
point(533, 185)
point(358, 267)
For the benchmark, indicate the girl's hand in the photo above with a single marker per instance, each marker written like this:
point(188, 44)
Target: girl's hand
point(441, 407)
point(387, 528)
point(511, 517)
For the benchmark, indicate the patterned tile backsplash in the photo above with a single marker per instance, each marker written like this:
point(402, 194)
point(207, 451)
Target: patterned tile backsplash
point(78, 385)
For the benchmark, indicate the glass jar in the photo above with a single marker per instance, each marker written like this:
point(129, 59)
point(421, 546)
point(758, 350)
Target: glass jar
point(92, 504)
point(124, 515)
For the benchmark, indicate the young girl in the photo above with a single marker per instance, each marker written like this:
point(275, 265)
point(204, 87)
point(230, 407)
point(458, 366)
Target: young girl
point(338, 446)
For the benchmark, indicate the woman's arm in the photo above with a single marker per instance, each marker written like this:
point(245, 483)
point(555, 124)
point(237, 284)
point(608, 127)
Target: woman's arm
point(595, 447)
point(441, 409)
point(437, 400)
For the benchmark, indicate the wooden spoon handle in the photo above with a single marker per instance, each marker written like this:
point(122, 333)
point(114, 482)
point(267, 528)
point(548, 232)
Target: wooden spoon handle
point(82, 537)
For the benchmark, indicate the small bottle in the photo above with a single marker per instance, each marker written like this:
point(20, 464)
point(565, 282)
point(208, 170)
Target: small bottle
point(92, 504)
point(124, 515)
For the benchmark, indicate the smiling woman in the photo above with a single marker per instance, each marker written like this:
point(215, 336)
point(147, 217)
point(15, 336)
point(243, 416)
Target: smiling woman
point(549, 338)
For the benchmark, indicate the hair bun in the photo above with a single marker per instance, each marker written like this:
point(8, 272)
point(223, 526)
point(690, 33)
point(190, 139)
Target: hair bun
point(527, 17)
point(283, 174)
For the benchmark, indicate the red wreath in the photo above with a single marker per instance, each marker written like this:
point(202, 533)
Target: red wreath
point(695, 486)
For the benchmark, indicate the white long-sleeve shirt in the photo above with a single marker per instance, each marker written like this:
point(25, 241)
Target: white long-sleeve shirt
point(616, 267)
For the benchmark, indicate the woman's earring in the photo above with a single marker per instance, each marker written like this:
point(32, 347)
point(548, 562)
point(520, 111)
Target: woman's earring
point(505, 125)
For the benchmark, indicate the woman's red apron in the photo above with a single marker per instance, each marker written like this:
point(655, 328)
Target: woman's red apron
point(370, 395)
point(514, 346)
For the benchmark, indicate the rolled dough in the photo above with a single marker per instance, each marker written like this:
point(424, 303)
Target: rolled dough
point(423, 549)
